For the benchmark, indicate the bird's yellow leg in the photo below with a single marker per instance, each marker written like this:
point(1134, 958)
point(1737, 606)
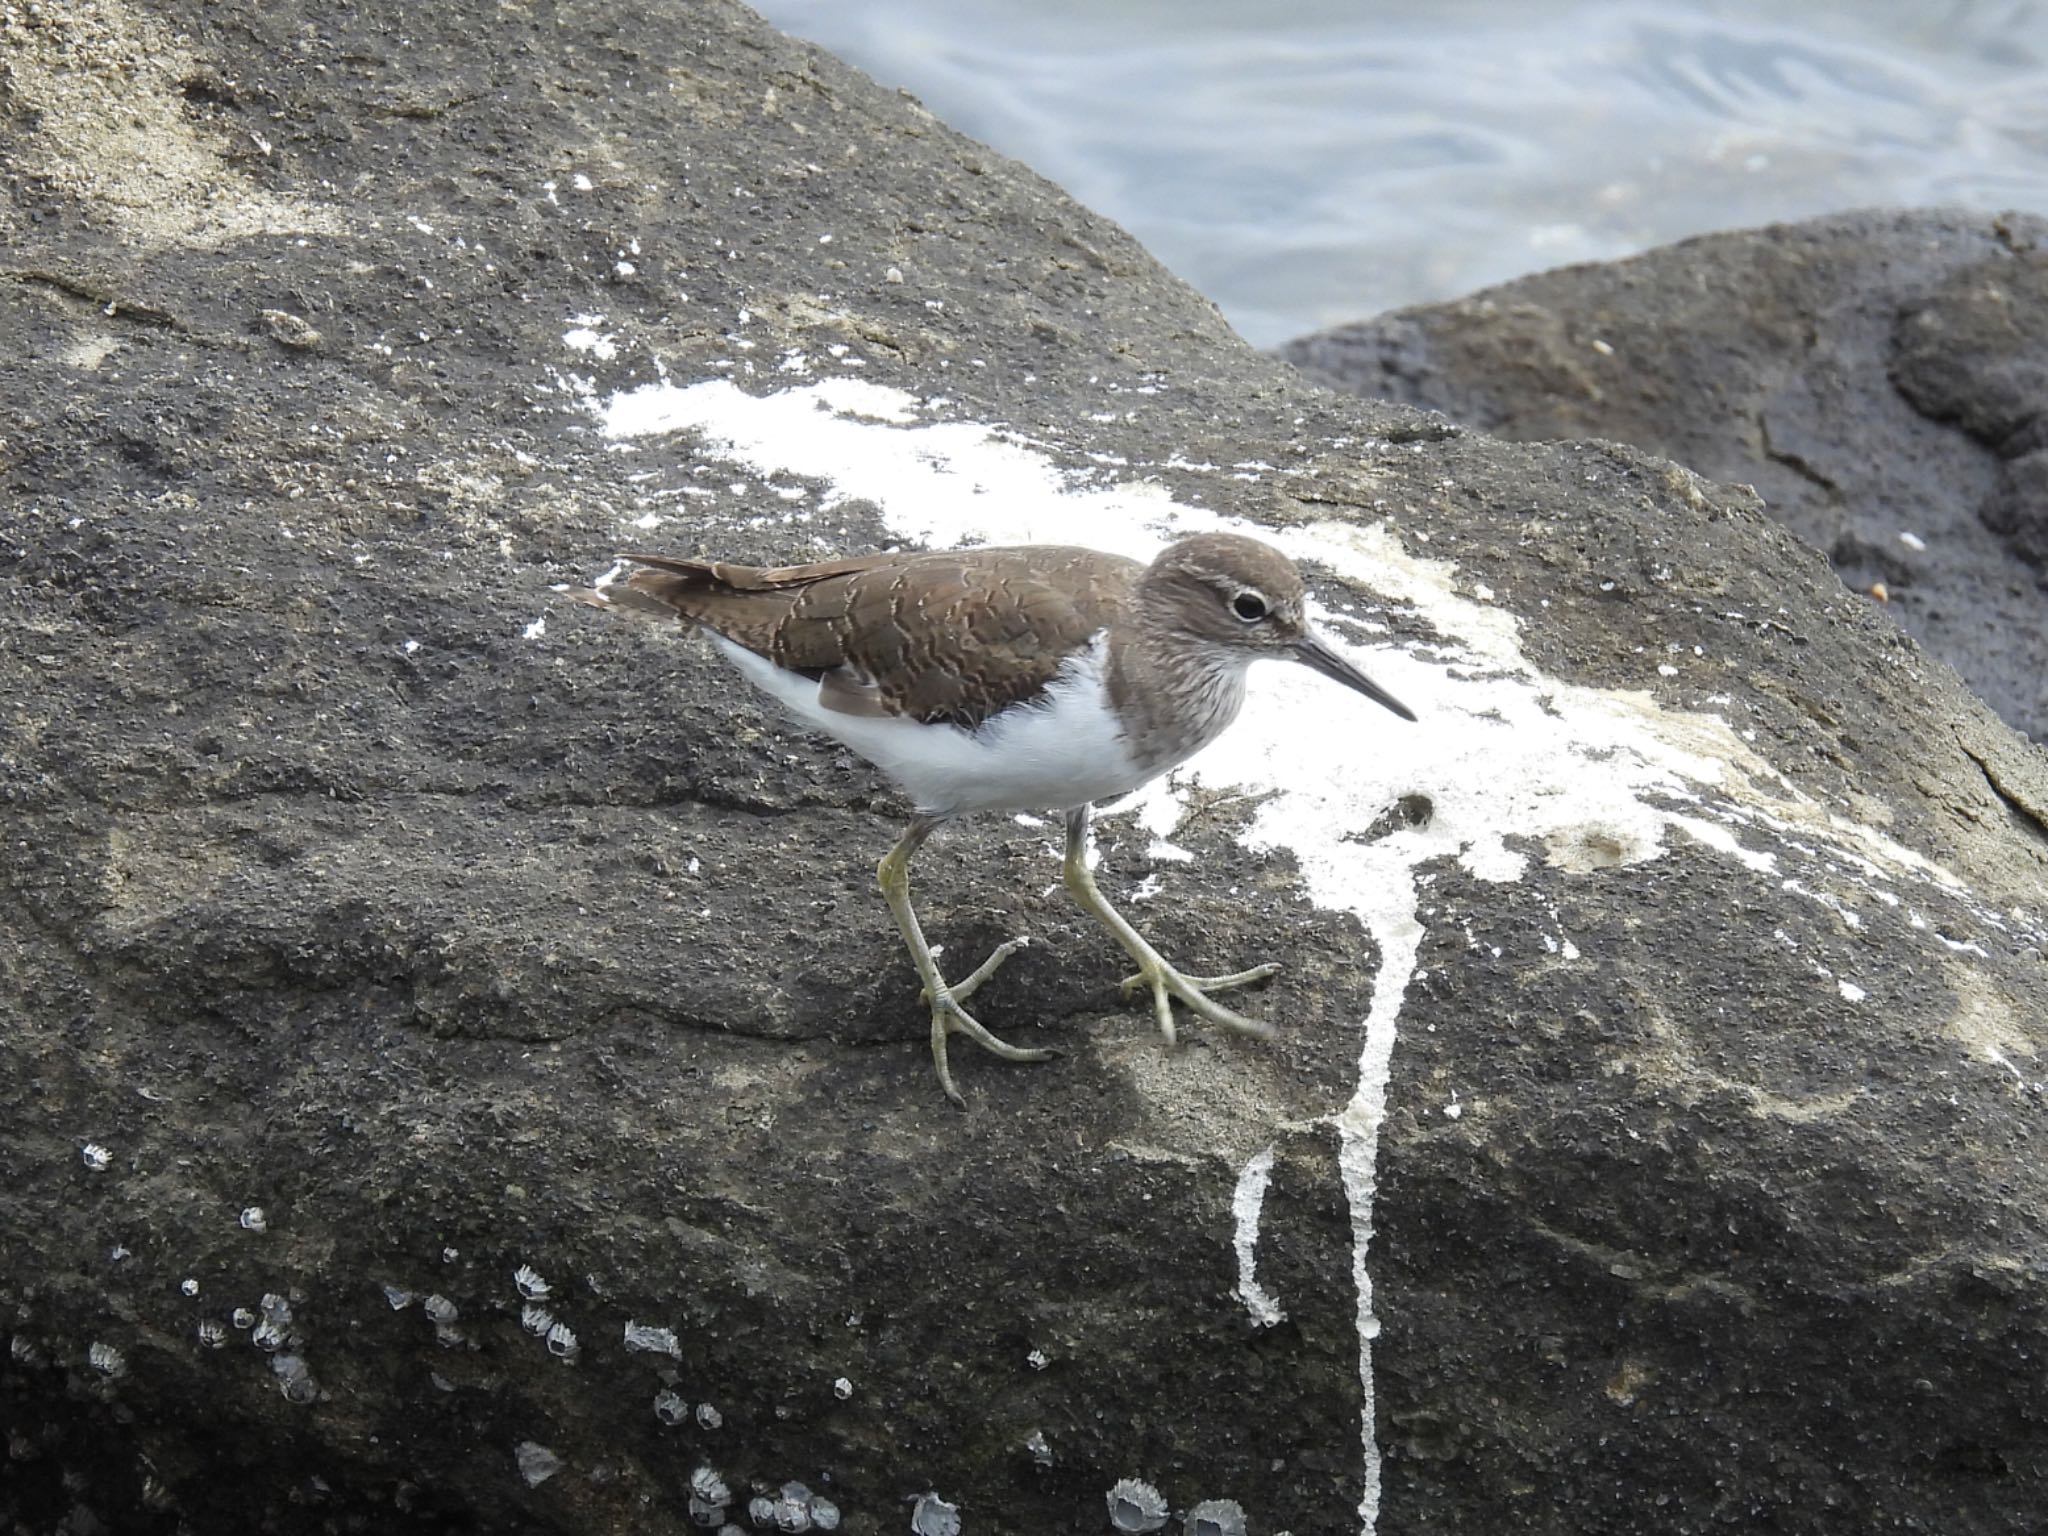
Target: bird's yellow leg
point(1166, 982)
point(948, 1017)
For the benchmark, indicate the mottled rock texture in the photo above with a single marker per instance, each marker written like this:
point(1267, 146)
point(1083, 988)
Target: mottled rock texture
point(1880, 378)
point(335, 888)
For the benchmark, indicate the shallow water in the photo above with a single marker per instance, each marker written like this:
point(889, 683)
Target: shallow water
point(1312, 162)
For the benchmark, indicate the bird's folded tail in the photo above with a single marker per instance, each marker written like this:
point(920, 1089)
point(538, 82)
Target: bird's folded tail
point(702, 575)
point(750, 605)
point(623, 596)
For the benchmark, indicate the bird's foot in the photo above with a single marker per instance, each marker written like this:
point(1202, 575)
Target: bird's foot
point(949, 1018)
point(970, 984)
point(1167, 984)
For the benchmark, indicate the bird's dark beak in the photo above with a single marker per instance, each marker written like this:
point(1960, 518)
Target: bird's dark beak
point(1314, 652)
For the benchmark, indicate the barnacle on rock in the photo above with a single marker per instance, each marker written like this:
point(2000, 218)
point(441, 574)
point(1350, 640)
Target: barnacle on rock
point(562, 1342)
point(95, 1156)
point(293, 1379)
point(709, 1417)
point(708, 1491)
point(1215, 1517)
point(645, 1338)
point(106, 1359)
point(536, 1320)
point(1136, 1506)
point(211, 1333)
point(253, 1219)
point(530, 1284)
point(933, 1516)
point(792, 1510)
point(536, 1462)
point(443, 1313)
point(671, 1409)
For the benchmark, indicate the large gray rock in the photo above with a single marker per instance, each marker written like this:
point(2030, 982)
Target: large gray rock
point(1693, 1116)
point(1879, 377)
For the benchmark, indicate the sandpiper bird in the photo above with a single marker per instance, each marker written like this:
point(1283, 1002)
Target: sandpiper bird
point(1012, 679)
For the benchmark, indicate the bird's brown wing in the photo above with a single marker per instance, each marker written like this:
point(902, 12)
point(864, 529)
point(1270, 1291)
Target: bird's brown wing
point(748, 604)
point(953, 636)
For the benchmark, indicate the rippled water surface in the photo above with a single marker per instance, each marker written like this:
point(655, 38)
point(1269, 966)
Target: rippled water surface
point(1310, 162)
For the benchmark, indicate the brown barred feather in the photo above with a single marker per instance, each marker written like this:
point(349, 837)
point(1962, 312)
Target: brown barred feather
point(949, 636)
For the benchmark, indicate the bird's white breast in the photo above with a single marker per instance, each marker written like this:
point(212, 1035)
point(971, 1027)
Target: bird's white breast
point(1064, 750)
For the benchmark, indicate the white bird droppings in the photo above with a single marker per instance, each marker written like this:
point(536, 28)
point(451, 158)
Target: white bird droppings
point(585, 338)
point(1245, 1205)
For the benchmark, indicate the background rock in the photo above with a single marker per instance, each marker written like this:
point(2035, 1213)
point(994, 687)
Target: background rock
point(356, 876)
point(1873, 375)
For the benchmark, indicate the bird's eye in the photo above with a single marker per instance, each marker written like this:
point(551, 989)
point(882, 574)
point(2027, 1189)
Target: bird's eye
point(1249, 606)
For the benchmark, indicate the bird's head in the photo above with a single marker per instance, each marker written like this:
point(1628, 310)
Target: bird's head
point(1243, 601)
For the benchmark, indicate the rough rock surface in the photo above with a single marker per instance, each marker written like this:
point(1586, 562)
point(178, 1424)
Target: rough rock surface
point(1881, 378)
point(367, 941)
